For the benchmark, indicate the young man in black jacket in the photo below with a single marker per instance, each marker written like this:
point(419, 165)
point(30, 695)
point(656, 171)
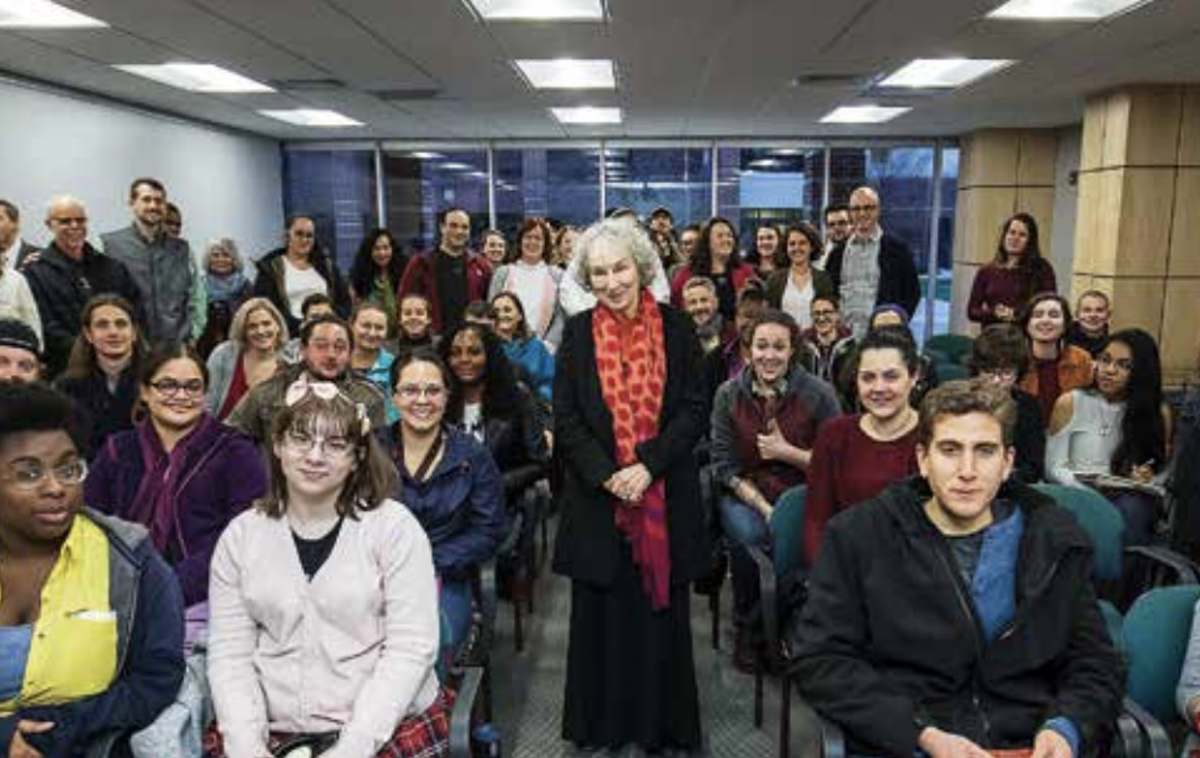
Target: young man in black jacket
point(954, 611)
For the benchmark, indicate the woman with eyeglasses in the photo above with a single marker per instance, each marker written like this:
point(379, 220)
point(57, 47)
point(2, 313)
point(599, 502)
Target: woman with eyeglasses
point(324, 624)
point(448, 480)
point(91, 619)
point(179, 472)
point(531, 278)
point(520, 345)
point(102, 374)
point(289, 274)
point(1120, 426)
point(1001, 355)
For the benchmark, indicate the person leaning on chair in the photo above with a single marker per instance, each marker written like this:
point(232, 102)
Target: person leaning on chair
point(922, 628)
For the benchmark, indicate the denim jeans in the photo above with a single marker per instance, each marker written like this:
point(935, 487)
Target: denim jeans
point(455, 601)
point(743, 526)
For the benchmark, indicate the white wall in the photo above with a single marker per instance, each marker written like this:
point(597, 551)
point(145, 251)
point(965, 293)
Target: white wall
point(53, 143)
point(1066, 200)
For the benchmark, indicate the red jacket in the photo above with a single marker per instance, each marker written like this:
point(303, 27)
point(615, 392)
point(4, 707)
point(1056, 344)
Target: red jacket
point(419, 278)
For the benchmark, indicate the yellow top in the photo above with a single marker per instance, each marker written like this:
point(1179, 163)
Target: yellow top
point(73, 653)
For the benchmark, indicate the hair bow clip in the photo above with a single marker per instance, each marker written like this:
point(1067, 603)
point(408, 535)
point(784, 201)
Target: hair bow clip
point(364, 421)
point(301, 388)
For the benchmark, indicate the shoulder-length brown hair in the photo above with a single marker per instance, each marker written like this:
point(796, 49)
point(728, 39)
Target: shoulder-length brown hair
point(82, 362)
point(374, 477)
point(541, 227)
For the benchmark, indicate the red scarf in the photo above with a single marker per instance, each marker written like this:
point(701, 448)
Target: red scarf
point(632, 364)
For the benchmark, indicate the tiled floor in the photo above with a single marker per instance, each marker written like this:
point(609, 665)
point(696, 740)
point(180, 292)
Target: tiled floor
point(528, 686)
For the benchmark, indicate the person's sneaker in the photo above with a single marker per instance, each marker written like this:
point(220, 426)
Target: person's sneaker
point(745, 653)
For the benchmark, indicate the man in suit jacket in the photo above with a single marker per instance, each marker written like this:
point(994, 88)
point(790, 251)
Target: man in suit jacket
point(13, 249)
point(872, 268)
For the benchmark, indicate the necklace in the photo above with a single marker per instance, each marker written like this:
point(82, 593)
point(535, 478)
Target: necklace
point(1110, 415)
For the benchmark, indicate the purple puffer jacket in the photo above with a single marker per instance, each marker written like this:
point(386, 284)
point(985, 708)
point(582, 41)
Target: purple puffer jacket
point(221, 472)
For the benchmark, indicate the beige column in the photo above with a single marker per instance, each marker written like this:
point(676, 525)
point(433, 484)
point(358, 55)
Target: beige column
point(1137, 234)
point(1000, 172)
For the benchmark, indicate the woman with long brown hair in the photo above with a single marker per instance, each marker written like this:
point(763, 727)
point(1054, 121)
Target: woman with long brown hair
point(1015, 274)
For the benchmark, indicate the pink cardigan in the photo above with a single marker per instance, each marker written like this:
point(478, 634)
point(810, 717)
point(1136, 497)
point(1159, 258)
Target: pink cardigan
point(352, 650)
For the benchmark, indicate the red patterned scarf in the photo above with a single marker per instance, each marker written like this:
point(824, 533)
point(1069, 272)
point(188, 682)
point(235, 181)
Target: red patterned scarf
point(632, 363)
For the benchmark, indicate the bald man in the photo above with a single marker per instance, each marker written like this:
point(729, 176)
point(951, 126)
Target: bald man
point(873, 268)
point(67, 274)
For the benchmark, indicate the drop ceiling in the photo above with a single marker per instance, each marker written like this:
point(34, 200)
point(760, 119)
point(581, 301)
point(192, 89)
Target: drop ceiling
point(428, 69)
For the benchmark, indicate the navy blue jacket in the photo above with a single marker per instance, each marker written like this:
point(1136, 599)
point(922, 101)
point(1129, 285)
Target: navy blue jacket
point(460, 505)
point(149, 606)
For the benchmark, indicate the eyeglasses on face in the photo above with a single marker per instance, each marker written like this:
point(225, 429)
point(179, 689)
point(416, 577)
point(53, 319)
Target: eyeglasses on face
point(171, 387)
point(70, 220)
point(30, 474)
point(863, 208)
point(300, 442)
point(414, 391)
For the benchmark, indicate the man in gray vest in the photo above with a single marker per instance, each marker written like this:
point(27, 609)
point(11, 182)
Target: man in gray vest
point(160, 264)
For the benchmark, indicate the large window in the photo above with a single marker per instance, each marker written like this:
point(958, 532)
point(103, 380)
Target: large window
point(676, 178)
point(559, 184)
point(420, 184)
point(336, 188)
point(764, 185)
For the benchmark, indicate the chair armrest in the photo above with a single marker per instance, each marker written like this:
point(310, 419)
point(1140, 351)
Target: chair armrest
point(464, 707)
point(1157, 739)
point(487, 604)
point(1127, 738)
point(768, 594)
point(833, 740)
point(1186, 572)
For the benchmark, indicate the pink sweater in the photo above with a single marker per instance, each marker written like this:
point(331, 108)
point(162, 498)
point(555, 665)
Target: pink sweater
point(352, 650)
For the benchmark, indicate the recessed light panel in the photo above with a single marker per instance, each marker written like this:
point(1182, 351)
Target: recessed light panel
point(539, 10)
point(43, 14)
point(863, 114)
point(197, 77)
point(587, 115)
point(1064, 10)
point(312, 117)
point(943, 73)
point(568, 73)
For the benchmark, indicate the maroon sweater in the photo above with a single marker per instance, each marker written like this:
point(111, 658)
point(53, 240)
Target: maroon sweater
point(995, 285)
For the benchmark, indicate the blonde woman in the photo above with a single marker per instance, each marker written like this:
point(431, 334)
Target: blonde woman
point(250, 356)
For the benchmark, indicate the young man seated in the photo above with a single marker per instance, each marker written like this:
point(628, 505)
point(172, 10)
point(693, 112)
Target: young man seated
point(953, 613)
point(1093, 315)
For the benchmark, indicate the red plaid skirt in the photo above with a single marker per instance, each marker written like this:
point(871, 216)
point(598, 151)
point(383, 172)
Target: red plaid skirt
point(425, 735)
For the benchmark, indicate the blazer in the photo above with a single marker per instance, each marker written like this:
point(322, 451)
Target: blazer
point(589, 544)
point(777, 284)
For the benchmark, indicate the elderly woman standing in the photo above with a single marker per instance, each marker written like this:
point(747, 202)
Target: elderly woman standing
point(628, 412)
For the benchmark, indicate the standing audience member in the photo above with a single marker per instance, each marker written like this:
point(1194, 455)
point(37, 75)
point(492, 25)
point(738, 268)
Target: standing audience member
point(324, 605)
point(531, 278)
point(14, 251)
point(564, 245)
point(376, 273)
point(225, 289)
point(700, 302)
point(873, 268)
point(102, 375)
point(856, 457)
point(495, 248)
point(1120, 427)
point(764, 423)
point(252, 354)
point(92, 622)
point(954, 613)
point(1016, 273)
point(173, 220)
point(632, 535)
point(715, 258)
point(768, 252)
point(66, 275)
point(662, 221)
point(369, 358)
point(1057, 367)
point(180, 473)
point(326, 343)
point(1090, 330)
point(451, 276)
point(1000, 354)
point(688, 236)
point(20, 352)
point(830, 343)
point(837, 231)
point(521, 346)
point(793, 287)
point(289, 275)
point(161, 265)
point(449, 481)
point(16, 299)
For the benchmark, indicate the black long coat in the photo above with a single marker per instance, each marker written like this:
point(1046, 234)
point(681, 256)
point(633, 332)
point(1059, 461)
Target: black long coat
point(589, 543)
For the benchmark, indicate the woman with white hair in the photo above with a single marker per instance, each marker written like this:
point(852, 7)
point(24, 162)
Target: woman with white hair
point(225, 288)
point(629, 408)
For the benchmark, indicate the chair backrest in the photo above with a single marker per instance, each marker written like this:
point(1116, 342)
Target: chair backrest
point(787, 531)
point(956, 346)
point(1102, 522)
point(1155, 633)
point(947, 372)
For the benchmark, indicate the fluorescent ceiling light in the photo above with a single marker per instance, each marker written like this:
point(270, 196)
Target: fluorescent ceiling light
point(312, 117)
point(539, 10)
point(568, 73)
point(42, 14)
point(587, 115)
point(863, 114)
point(943, 72)
point(197, 77)
point(1064, 10)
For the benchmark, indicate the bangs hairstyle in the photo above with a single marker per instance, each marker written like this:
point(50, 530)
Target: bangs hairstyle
point(237, 328)
point(1025, 315)
point(368, 484)
point(810, 233)
point(623, 234)
point(961, 397)
point(523, 332)
point(532, 226)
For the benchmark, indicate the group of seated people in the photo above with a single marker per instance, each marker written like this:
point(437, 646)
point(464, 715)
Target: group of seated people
point(304, 516)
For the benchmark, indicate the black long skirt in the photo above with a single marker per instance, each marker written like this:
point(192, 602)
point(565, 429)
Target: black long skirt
point(630, 674)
